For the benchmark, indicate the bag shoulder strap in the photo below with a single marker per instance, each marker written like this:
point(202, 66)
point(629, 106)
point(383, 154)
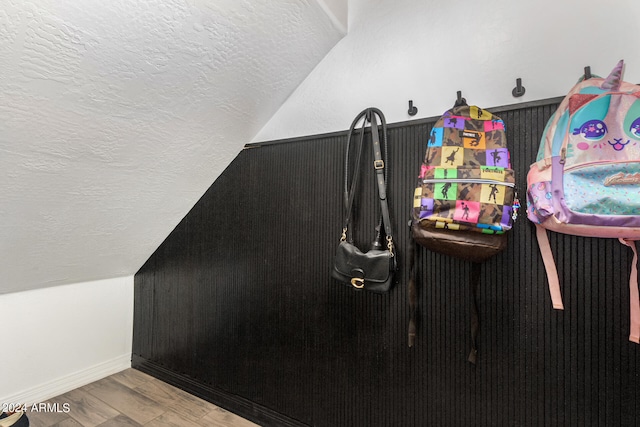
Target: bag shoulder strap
point(381, 173)
point(550, 267)
point(554, 283)
point(634, 297)
point(474, 281)
point(368, 114)
point(412, 294)
point(349, 192)
point(412, 297)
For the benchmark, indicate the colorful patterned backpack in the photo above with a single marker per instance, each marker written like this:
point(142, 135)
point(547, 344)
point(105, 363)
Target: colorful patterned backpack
point(466, 181)
point(586, 179)
point(465, 198)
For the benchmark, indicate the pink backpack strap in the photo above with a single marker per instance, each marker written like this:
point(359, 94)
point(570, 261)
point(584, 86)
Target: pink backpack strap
point(550, 266)
point(634, 333)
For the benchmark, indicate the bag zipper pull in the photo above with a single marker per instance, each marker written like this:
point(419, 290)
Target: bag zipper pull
point(515, 206)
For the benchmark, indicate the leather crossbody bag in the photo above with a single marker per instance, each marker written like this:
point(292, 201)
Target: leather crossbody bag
point(374, 269)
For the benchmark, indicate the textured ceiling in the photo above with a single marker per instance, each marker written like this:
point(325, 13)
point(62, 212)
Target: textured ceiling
point(116, 116)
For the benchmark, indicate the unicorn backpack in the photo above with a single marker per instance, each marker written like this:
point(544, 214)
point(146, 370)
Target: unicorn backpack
point(586, 178)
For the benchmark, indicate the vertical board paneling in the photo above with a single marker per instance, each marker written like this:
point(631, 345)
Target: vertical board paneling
point(237, 305)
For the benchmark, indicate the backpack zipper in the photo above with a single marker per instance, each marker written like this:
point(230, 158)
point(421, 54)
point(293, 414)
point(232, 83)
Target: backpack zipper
point(468, 181)
point(601, 162)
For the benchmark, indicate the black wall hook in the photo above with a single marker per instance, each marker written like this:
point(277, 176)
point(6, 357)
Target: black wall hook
point(460, 100)
point(519, 89)
point(412, 109)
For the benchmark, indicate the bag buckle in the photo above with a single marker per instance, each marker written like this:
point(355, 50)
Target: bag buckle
point(378, 164)
point(357, 282)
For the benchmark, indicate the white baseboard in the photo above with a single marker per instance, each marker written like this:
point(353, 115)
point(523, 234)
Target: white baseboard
point(70, 382)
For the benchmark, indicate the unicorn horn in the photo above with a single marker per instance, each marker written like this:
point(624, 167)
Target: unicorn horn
point(613, 80)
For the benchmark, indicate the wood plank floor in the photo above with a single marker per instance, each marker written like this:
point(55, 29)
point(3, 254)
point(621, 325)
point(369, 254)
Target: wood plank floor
point(132, 398)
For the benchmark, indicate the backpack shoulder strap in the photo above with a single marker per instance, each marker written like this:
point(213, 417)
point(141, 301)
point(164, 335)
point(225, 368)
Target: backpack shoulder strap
point(474, 280)
point(550, 267)
point(554, 283)
point(412, 294)
point(634, 304)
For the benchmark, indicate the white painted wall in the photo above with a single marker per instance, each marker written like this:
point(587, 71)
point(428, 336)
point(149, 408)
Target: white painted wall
point(57, 339)
point(338, 11)
point(397, 50)
point(117, 115)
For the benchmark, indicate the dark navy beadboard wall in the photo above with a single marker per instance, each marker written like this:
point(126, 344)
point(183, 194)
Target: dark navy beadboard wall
point(238, 306)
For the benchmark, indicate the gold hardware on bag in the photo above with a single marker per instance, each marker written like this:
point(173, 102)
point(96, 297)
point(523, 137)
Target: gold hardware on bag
point(343, 237)
point(390, 245)
point(378, 164)
point(357, 282)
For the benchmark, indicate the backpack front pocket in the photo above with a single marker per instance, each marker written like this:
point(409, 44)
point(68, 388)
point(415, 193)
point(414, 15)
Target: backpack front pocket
point(603, 188)
point(478, 199)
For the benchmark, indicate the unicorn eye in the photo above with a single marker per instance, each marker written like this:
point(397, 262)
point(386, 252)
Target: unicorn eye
point(635, 128)
point(593, 130)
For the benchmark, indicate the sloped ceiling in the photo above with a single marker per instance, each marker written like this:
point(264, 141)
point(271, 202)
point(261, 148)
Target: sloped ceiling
point(117, 115)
